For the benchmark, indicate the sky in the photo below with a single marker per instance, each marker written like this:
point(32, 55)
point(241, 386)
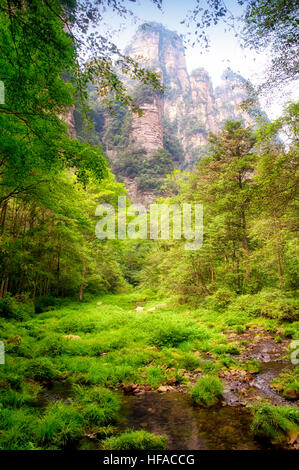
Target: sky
point(225, 50)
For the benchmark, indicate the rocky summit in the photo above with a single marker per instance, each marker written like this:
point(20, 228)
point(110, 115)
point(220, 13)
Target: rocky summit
point(173, 130)
point(190, 104)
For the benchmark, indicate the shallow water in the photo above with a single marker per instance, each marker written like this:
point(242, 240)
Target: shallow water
point(186, 426)
point(54, 391)
point(173, 414)
point(262, 382)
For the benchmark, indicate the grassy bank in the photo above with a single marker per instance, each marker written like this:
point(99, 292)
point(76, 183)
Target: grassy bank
point(100, 346)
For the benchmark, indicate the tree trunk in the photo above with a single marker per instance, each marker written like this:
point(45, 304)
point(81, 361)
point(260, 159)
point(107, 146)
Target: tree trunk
point(82, 283)
point(58, 273)
point(279, 266)
point(246, 248)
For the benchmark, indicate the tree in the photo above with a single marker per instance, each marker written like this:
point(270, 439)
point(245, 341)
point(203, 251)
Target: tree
point(231, 176)
point(276, 177)
point(275, 23)
point(258, 24)
point(47, 244)
point(223, 182)
point(248, 188)
point(35, 53)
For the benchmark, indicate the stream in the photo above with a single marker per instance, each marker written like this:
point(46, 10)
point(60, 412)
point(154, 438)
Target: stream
point(224, 427)
point(191, 427)
point(186, 426)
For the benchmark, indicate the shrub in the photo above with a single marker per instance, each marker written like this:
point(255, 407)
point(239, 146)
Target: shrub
point(94, 414)
point(253, 366)
point(221, 298)
point(288, 383)
point(226, 349)
point(245, 304)
point(16, 399)
point(135, 440)
point(21, 346)
point(52, 345)
point(74, 325)
point(274, 423)
point(99, 405)
point(190, 361)
point(15, 381)
point(283, 309)
point(60, 425)
point(240, 329)
point(10, 308)
point(208, 390)
point(17, 429)
point(210, 368)
point(292, 331)
point(154, 376)
point(269, 304)
point(44, 304)
point(291, 391)
point(42, 369)
point(227, 361)
point(171, 334)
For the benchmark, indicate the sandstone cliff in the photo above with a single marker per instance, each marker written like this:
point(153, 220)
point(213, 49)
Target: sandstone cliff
point(190, 104)
point(146, 130)
point(174, 127)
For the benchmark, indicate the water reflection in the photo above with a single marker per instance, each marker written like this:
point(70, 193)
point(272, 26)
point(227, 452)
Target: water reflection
point(189, 427)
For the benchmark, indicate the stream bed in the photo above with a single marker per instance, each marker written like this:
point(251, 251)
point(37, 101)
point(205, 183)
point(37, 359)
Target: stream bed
point(186, 426)
point(191, 427)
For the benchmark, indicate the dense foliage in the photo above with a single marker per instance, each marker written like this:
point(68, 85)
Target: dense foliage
point(270, 25)
point(50, 180)
point(247, 187)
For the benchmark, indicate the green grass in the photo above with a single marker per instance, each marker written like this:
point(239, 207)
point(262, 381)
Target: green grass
point(135, 440)
point(208, 390)
point(60, 425)
point(252, 365)
point(275, 423)
point(95, 346)
point(99, 405)
point(92, 347)
point(287, 383)
point(17, 429)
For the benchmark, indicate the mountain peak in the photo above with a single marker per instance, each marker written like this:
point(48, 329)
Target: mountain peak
point(200, 73)
point(190, 104)
point(153, 26)
point(231, 76)
point(157, 35)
